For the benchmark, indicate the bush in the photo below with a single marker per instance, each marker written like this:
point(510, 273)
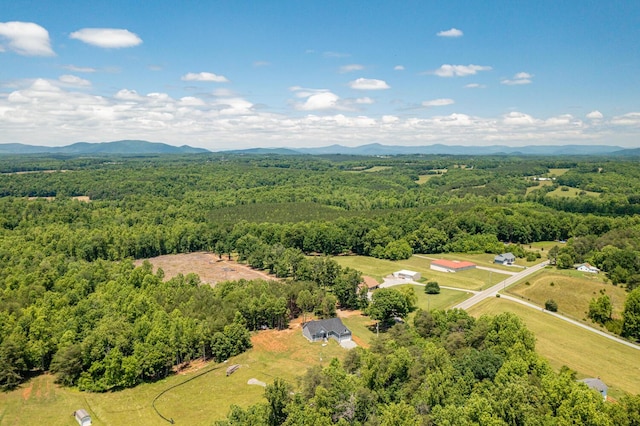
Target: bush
point(432, 287)
point(551, 305)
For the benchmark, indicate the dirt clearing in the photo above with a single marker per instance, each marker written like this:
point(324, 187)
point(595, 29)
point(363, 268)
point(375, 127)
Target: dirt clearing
point(207, 266)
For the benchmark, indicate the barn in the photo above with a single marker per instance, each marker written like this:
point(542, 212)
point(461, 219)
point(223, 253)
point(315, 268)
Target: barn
point(324, 329)
point(444, 265)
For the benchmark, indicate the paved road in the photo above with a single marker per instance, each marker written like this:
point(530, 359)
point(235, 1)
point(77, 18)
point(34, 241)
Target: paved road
point(574, 322)
point(493, 290)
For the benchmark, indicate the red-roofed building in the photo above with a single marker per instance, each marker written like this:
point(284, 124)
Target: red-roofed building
point(444, 265)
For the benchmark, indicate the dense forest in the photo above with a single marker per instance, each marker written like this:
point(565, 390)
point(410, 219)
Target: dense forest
point(72, 302)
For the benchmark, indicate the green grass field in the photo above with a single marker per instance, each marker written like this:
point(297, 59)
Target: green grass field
point(285, 354)
point(472, 279)
point(540, 185)
point(557, 172)
point(572, 193)
point(572, 290)
point(562, 343)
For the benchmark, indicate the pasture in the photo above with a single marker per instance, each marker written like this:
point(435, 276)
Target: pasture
point(570, 192)
point(572, 290)
point(285, 354)
point(563, 343)
point(472, 279)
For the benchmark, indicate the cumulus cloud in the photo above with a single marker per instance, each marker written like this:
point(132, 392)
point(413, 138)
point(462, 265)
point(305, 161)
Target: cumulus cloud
point(25, 38)
point(448, 70)
point(73, 80)
point(48, 112)
point(399, 68)
point(453, 32)
point(364, 101)
point(595, 115)
point(108, 38)
point(315, 99)
point(351, 68)
point(474, 86)
point(336, 55)
point(204, 76)
point(368, 84)
point(519, 78)
point(438, 102)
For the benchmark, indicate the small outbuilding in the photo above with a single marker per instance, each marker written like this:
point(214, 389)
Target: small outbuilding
point(585, 267)
point(407, 275)
point(598, 385)
point(82, 417)
point(327, 328)
point(505, 259)
point(369, 283)
point(444, 265)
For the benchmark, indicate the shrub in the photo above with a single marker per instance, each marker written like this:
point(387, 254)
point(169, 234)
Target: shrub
point(432, 287)
point(551, 305)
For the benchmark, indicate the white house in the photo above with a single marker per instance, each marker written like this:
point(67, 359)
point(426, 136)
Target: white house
point(409, 275)
point(585, 267)
point(82, 417)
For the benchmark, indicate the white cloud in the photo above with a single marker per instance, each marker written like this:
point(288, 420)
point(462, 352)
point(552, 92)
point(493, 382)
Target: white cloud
point(259, 64)
point(108, 38)
point(448, 70)
point(518, 79)
point(351, 68)
point(73, 80)
point(438, 102)
point(319, 101)
point(25, 38)
point(74, 68)
point(364, 101)
point(453, 32)
point(399, 68)
point(223, 92)
point(49, 112)
point(204, 76)
point(595, 115)
point(368, 84)
point(474, 86)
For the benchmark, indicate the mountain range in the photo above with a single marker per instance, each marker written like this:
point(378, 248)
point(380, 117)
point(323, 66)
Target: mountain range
point(138, 147)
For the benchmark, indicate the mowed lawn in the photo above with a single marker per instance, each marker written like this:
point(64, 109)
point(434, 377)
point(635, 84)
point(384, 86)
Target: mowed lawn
point(562, 343)
point(571, 290)
point(286, 354)
point(472, 279)
point(571, 192)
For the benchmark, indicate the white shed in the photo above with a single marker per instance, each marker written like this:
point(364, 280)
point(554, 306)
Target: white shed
point(82, 417)
point(409, 275)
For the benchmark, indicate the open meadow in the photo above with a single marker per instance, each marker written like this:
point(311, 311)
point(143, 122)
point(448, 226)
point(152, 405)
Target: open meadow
point(472, 279)
point(285, 354)
point(571, 290)
point(562, 343)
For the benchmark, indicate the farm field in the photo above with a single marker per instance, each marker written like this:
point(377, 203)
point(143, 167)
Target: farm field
point(445, 300)
point(557, 172)
point(473, 279)
point(541, 184)
point(571, 193)
point(285, 354)
point(207, 266)
point(572, 290)
point(562, 343)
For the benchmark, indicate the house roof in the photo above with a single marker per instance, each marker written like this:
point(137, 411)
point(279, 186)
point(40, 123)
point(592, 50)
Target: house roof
point(405, 272)
point(370, 282)
point(595, 383)
point(452, 264)
point(587, 265)
point(327, 325)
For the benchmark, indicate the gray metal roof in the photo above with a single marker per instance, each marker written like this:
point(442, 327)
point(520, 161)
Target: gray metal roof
point(327, 325)
point(596, 384)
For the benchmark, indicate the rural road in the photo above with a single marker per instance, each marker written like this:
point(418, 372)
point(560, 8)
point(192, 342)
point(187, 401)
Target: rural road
point(493, 290)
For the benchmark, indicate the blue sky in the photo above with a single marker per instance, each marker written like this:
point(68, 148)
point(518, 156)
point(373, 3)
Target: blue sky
point(240, 74)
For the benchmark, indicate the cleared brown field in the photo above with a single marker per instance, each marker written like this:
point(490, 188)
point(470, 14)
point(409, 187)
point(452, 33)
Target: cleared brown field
point(207, 266)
